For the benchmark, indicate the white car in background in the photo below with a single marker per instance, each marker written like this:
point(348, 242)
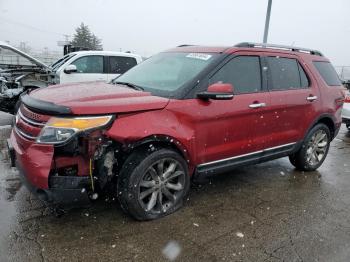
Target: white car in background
point(84, 66)
point(20, 72)
point(346, 111)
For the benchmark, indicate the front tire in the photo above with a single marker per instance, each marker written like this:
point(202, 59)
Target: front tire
point(313, 150)
point(153, 184)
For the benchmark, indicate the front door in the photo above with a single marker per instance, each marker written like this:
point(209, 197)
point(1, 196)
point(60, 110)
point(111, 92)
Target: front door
point(231, 128)
point(89, 68)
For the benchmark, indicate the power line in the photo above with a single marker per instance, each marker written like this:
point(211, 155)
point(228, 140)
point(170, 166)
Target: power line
point(30, 27)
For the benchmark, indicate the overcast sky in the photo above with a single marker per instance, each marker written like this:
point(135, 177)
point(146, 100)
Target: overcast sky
point(147, 27)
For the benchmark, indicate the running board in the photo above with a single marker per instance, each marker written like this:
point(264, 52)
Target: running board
point(227, 164)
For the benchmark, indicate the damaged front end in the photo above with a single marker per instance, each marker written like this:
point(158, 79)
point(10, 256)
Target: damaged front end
point(19, 73)
point(66, 161)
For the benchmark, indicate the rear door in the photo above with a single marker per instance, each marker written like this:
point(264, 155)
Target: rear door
point(89, 68)
point(295, 98)
point(118, 65)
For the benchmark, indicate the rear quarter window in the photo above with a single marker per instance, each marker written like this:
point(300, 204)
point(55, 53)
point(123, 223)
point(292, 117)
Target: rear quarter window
point(327, 72)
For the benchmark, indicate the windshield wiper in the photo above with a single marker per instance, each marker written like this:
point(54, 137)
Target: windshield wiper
point(133, 86)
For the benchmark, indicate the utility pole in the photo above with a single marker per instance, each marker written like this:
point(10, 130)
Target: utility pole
point(267, 21)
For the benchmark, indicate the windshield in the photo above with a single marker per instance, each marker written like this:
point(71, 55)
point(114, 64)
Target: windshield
point(165, 73)
point(61, 61)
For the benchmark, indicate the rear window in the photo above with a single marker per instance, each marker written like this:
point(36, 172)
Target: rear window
point(328, 73)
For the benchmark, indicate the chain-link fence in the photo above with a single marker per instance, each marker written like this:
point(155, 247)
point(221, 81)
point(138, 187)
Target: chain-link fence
point(9, 57)
point(343, 72)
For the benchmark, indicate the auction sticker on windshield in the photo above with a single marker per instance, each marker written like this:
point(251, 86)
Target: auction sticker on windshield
point(200, 56)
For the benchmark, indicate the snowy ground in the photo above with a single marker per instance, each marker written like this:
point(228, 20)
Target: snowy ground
point(266, 212)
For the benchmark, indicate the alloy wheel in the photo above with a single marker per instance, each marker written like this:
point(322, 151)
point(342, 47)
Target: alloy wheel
point(317, 147)
point(161, 185)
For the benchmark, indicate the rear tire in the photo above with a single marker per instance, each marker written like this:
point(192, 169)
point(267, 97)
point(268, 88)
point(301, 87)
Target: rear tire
point(313, 150)
point(153, 184)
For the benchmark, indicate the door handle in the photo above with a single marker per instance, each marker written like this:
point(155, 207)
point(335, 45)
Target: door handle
point(257, 105)
point(311, 98)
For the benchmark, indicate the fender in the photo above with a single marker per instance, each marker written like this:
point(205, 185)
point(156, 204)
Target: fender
point(159, 126)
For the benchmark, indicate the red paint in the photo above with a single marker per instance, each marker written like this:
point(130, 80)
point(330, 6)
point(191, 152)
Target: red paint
point(203, 130)
point(34, 159)
point(221, 88)
point(83, 98)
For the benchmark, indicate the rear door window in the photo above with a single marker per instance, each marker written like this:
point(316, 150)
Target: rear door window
point(121, 64)
point(286, 73)
point(328, 73)
point(243, 72)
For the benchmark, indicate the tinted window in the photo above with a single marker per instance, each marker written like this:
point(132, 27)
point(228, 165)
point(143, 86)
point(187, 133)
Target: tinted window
point(284, 73)
point(89, 64)
point(121, 64)
point(328, 73)
point(243, 72)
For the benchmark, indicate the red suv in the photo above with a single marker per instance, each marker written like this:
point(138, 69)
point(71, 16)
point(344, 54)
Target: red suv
point(186, 112)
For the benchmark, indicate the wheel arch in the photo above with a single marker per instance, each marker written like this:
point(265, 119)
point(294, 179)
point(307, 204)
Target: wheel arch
point(326, 119)
point(162, 141)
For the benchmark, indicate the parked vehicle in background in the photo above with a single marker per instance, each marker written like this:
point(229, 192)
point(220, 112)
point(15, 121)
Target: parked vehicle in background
point(21, 73)
point(188, 112)
point(346, 111)
point(344, 75)
point(85, 66)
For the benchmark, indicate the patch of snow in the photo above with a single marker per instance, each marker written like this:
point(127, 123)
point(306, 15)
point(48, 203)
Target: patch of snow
point(171, 250)
point(240, 234)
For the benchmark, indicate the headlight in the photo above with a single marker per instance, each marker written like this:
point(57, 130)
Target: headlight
point(58, 129)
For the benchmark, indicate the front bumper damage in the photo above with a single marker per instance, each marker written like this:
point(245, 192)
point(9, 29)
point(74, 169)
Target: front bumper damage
point(34, 165)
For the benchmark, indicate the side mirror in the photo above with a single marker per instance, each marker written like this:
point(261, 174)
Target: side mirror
point(70, 69)
point(217, 91)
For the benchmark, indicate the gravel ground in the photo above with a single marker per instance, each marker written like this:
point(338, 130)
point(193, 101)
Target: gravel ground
point(5, 118)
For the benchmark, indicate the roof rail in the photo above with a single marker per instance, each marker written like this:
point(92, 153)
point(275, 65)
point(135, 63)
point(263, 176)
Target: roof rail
point(184, 45)
point(282, 47)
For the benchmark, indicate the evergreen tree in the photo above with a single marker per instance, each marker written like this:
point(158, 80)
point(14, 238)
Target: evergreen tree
point(96, 42)
point(83, 37)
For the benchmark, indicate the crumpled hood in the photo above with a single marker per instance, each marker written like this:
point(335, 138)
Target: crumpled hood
point(99, 98)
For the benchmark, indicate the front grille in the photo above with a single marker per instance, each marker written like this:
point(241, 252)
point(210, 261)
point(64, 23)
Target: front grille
point(29, 123)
